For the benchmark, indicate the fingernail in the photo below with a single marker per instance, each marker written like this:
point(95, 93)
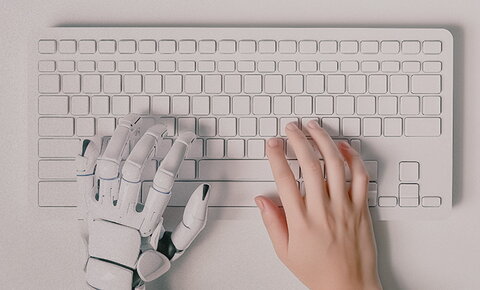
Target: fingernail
point(259, 203)
point(313, 124)
point(292, 126)
point(273, 142)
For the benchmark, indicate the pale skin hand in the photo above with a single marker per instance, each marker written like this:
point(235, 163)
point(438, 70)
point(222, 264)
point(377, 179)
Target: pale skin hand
point(325, 238)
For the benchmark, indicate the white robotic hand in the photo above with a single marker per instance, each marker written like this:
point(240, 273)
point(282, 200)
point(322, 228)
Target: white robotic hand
point(127, 243)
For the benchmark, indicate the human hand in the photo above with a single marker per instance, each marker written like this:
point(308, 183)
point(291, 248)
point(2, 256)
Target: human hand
point(127, 243)
point(325, 237)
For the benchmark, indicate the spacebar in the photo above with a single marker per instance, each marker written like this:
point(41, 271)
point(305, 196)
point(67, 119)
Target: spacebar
point(249, 170)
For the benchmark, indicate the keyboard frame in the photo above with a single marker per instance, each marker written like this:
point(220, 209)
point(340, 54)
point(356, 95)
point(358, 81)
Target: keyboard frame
point(436, 152)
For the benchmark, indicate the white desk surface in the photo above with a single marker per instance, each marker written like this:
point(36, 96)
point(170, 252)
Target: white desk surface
point(412, 255)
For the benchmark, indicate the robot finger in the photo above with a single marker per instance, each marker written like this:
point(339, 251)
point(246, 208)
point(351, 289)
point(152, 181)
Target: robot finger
point(109, 163)
point(194, 220)
point(85, 163)
point(132, 170)
point(159, 194)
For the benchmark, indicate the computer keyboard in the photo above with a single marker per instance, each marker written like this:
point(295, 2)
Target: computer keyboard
point(386, 91)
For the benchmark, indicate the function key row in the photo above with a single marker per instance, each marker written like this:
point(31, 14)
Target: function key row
point(246, 66)
point(230, 46)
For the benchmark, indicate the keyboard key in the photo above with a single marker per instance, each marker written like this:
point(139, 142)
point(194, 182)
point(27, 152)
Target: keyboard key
point(336, 84)
point(66, 66)
point(60, 169)
point(369, 47)
point(345, 105)
point(422, 127)
point(349, 66)
point(226, 66)
point(166, 66)
point(366, 105)
point(283, 124)
point(303, 105)
point(87, 46)
point(71, 84)
point(332, 126)
point(46, 66)
point(221, 105)
point(246, 66)
point(106, 66)
point(411, 66)
point(105, 126)
point(233, 83)
point(261, 105)
point(252, 84)
point(307, 66)
point(186, 66)
point(410, 47)
point(409, 105)
point(307, 46)
point(58, 147)
point(392, 127)
point(328, 66)
point(141, 105)
point(282, 105)
point(201, 105)
point(120, 105)
point(387, 105)
point(49, 84)
point(399, 84)
point(268, 127)
point(227, 127)
point(372, 169)
point(100, 105)
point(127, 46)
point(193, 84)
point(186, 125)
point(357, 84)
point(146, 66)
point(287, 46)
point(247, 127)
point(173, 84)
point(370, 66)
point(53, 105)
point(387, 201)
point(247, 46)
point(187, 170)
point(266, 66)
point(372, 127)
point(47, 46)
point(432, 47)
point(256, 148)
point(390, 66)
point(86, 66)
point(431, 201)
point(328, 46)
point(235, 148)
point(432, 105)
point(267, 46)
point(377, 84)
point(112, 84)
point(239, 169)
point(196, 149)
point(107, 46)
point(132, 84)
point(426, 84)
point(294, 84)
point(160, 105)
point(324, 105)
point(126, 66)
point(58, 194)
point(213, 84)
point(79, 105)
point(215, 149)
point(227, 46)
point(91, 84)
point(241, 105)
point(54, 126)
point(351, 127)
point(153, 84)
point(390, 47)
point(432, 66)
point(356, 144)
point(167, 46)
point(170, 124)
point(147, 46)
point(207, 127)
point(186, 47)
point(180, 105)
point(85, 127)
point(409, 171)
point(305, 122)
point(273, 84)
point(287, 66)
point(348, 47)
point(206, 66)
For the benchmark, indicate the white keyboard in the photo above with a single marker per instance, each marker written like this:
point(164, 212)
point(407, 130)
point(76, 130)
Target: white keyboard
point(387, 91)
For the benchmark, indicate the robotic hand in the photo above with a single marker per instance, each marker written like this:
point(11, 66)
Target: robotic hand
point(127, 243)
